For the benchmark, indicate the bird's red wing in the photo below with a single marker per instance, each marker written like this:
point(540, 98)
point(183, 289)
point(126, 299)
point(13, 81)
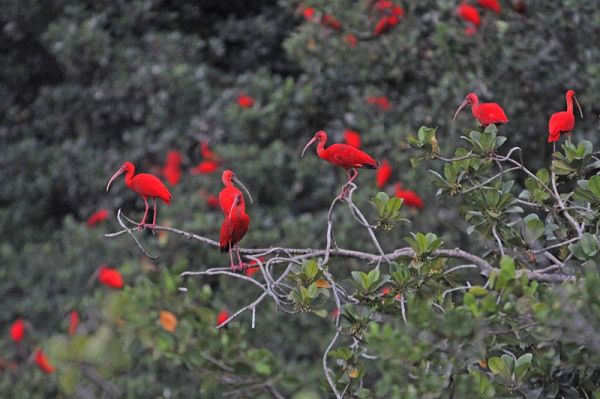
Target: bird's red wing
point(225, 236)
point(240, 227)
point(560, 122)
point(491, 113)
point(150, 186)
point(347, 157)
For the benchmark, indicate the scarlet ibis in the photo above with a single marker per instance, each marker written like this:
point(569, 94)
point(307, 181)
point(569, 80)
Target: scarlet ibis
point(382, 102)
point(42, 361)
point(469, 13)
point(330, 21)
point(110, 277)
point(352, 138)
point(383, 175)
point(172, 168)
point(146, 185)
point(385, 24)
point(17, 330)
point(73, 322)
point(342, 155)
point(308, 13)
point(564, 121)
point(222, 317)
point(233, 229)
point(485, 113)
point(97, 217)
point(410, 197)
point(351, 39)
point(493, 5)
point(228, 193)
point(245, 101)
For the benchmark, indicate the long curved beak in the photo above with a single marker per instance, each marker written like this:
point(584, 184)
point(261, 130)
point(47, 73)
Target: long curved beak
point(239, 183)
point(117, 173)
point(464, 104)
point(308, 145)
point(578, 106)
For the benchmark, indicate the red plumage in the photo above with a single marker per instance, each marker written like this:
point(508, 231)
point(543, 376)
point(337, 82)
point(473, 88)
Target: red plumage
point(485, 113)
point(564, 121)
point(17, 330)
point(228, 194)
point(233, 229)
point(493, 5)
point(146, 185)
point(384, 173)
point(469, 13)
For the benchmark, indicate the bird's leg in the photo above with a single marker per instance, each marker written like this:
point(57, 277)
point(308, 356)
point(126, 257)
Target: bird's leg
point(143, 222)
point(154, 218)
point(237, 251)
point(346, 187)
point(231, 265)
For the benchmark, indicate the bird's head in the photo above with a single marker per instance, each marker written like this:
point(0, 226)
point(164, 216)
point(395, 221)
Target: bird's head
point(229, 178)
point(469, 99)
point(571, 94)
point(127, 167)
point(319, 136)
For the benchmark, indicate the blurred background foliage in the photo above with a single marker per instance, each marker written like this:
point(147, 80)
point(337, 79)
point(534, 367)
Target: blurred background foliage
point(87, 85)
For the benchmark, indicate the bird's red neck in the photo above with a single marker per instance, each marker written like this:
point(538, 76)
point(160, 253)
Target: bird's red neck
point(474, 106)
point(570, 103)
point(129, 172)
point(321, 146)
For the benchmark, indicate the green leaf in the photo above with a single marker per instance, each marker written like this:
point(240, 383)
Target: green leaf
point(594, 185)
point(499, 367)
point(533, 228)
point(320, 312)
point(361, 279)
point(262, 368)
point(507, 265)
point(522, 366)
point(311, 269)
point(478, 290)
point(561, 168)
point(484, 386)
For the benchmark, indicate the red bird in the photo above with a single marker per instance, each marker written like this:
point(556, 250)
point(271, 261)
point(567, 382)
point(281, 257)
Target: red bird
point(97, 217)
point(493, 5)
point(384, 173)
point(469, 13)
point(233, 229)
point(73, 322)
point(352, 138)
point(342, 155)
point(222, 317)
point(110, 277)
point(205, 167)
point(485, 113)
point(245, 101)
point(229, 192)
point(17, 330)
point(351, 39)
point(172, 169)
point(146, 185)
point(331, 22)
point(410, 197)
point(563, 122)
point(42, 361)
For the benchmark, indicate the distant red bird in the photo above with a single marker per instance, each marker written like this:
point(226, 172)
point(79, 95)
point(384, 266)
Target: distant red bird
point(381, 102)
point(342, 155)
point(485, 113)
point(172, 169)
point(110, 277)
point(205, 167)
point(212, 201)
point(17, 330)
point(97, 217)
point(207, 153)
point(73, 322)
point(469, 13)
point(222, 317)
point(352, 138)
point(330, 21)
point(233, 229)
point(146, 185)
point(564, 121)
point(410, 197)
point(308, 13)
point(228, 193)
point(384, 173)
point(42, 361)
point(493, 5)
point(385, 24)
point(252, 267)
point(351, 39)
point(245, 101)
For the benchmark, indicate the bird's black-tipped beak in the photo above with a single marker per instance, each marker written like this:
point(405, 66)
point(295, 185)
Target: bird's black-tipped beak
point(308, 145)
point(239, 183)
point(464, 104)
point(578, 106)
point(117, 173)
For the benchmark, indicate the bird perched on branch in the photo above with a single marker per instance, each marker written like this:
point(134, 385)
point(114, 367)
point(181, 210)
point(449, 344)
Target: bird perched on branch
point(342, 155)
point(146, 185)
point(564, 121)
point(233, 229)
point(485, 113)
